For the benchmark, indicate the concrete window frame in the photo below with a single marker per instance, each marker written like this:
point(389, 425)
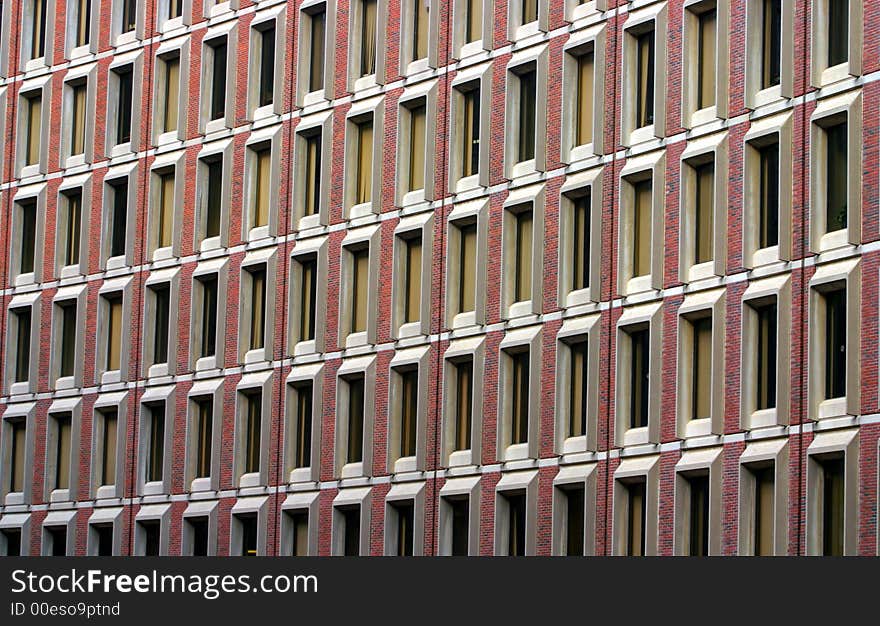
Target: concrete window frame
point(413, 492)
point(463, 488)
point(776, 289)
point(755, 96)
point(478, 77)
point(517, 30)
point(691, 116)
point(474, 212)
point(642, 317)
point(424, 93)
point(86, 75)
point(165, 23)
point(180, 48)
point(105, 516)
point(356, 82)
point(637, 469)
point(21, 412)
point(271, 139)
point(516, 483)
point(129, 174)
point(531, 59)
point(152, 513)
point(407, 65)
point(829, 277)
point(19, 523)
point(77, 294)
point(218, 269)
point(368, 237)
point(712, 149)
point(462, 49)
point(638, 22)
point(514, 342)
point(272, 17)
point(314, 249)
point(320, 124)
point(20, 302)
point(267, 258)
point(360, 497)
point(698, 462)
point(588, 41)
point(761, 133)
point(213, 36)
point(216, 8)
point(122, 287)
point(695, 307)
point(262, 383)
point(166, 397)
point(26, 63)
point(531, 198)
point(575, 12)
point(294, 503)
point(471, 349)
point(833, 444)
point(72, 409)
point(171, 278)
point(117, 402)
point(364, 367)
point(577, 186)
point(222, 150)
point(372, 110)
point(821, 74)
point(135, 61)
point(311, 374)
point(828, 112)
point(37, 194)
point(201, 389)
point(420, 227)
point(573, 330)
point(70, 186)
point(418, 359)
point(651, 167)
point(304, 97)
point(65, 519)
point(118, 38)
point(172, 163)
point(35, 87)
point(568, 477)
point(252, 506)
point(760, 454)
point(199, 510)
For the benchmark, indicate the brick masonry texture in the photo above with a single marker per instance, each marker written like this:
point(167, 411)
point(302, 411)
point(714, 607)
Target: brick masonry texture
point(564, 20)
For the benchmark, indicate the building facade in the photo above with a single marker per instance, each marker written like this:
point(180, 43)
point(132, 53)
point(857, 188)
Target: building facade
point(439, 277)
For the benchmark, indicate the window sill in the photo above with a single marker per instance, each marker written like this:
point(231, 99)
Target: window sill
point(701, 271)
point(834, 74)
point(698, 428)
point(314, 98)
point(206, 363)
point(835, 407)
point(116, 262)
point(126, 38)
point(80, 51)
point(641, 135)
point(265, 111)
point(466, 183)
point(113, 376)
point(579, 297)
point(121, 149)
point(765, 256)
point(364, 82)
point(257, 355)
point(307, 222)
point(157, 370)
point(460, 458)
point(574, 445)
point(216, 125)
point(59, 495)
point(33, 65)
point(19, 388)
point(763, 418)
point(171, 25)
point(105, 492)
point(353, 470)
point(218, 9)
point(638, 284)
point(522, 168)
point(767, 96)
point(27, 278)
point(27, 171)
point(704, 116)
point(201, 484)
point(636, 436)
point(210, 243)
point(524, 31)
point(258, 232)
point(581, 153)
point(249, 480)
point(410, 329)
point(69, 271)
point(301, 475)
point(304, 347)
point(464, 320)
point(167, 138)
point(834, 240)
point(356, 339)
point(416, 196)
point(519, 309)
point(471, 48)
point(360, 210)
point(13, 498)
point(153, 488)
point(405, 464)
point(516, 452)
point(582, 10)
point(414, 67)
point(65, 382)
point(161, 254)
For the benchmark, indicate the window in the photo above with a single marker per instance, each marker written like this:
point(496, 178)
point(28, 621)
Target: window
point(214, 195)
point(470, 135)
point(248, 529)
point(198, 532)
point(165, 219)
point(701, 404)
point(155, 444)
point(473, 20)
point(12, 538)
point(641, 245)
point(404, 512)
point(706, 45)
point(104, 536)
point(22, 320)
point(577, 399)
point(308, 298)
point(580, 249)
point(170, 93)
point(838, 32)
point(460, 509)
point(525, 137)
point(257, 308)
point(267, 65)
point(833, 488)
point(836, 176)
point(516, 523)
point(463, 403)
point(771, 42)
point(698, 515)
point(162, 310)
point(252, 431)
point(351, 517)
point(575, 510)
point(412, 279)
point(766, 356)
point(61, 452)
point(28, 215)
point(57, 539)
point(583, 126)
point(218, 49)
point(317, 26)
point(409, 416)
point(113, 356)
point(67, 343)
point(519, 397)
point(835, 345)
point(151, 532)
point(109, 419)
point(364, 162)
point(763, 518)
point(768, 215)
point(78, 118)
point(124, 85)
point(303, 433)
point(299, 524)
point(415, 177)
point(203, 436)
point(645, 78)
point(33, 123)
point(129, 15)
point(262, 160)
point(175, 8)
point(522, 290)
point(360, 290)
point(467, 267)
point(208, 344)
point(71, 220)
point(705, 211)
point(529, 11)
point(312, 179)
point(636, 518)
point(368, 31)
point(355, 444)
point(118, 216)
point(640, 347)
point(17, 433)
point(38, 29)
